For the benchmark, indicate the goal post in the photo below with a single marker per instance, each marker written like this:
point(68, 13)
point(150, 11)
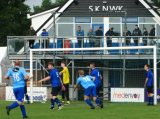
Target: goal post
point(153, 48)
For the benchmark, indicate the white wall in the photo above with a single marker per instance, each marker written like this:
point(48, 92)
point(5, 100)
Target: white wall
point(3, 52)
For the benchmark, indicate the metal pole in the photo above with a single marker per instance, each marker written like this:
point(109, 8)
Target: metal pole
point(31, 73)
point(54, 34)
point(73, 78)
point(124, 71)
point(155, 74)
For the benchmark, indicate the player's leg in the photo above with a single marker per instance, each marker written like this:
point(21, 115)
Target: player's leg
point(52, 101)
point(26, 95)
point(87, 94)
point(63, 96)
point(54, 97)
point(21, 102)
point(150, 95)
point(14, 104)
point(67, 93)
point(96, 98)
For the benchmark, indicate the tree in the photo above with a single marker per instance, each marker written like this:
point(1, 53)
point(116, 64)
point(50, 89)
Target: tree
point(47, 4)
point(13, 19)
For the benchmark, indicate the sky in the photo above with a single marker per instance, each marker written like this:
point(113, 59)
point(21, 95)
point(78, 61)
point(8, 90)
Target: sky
point(32, 3)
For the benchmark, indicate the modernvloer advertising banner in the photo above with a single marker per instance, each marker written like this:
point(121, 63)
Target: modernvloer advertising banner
point(39, 94)
point(127, 95)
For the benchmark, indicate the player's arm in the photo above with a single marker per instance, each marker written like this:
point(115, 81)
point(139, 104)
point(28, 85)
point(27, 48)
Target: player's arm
point(44, 79)
point(75, 87)
point(63, 71)
point(7, 76)
point(145, 82)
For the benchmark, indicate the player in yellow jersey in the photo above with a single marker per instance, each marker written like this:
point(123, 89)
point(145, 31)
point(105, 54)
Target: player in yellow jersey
point(66, 81)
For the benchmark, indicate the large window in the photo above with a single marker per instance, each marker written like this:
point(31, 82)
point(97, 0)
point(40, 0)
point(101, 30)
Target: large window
point(83, 20)
point(147, 26)
point(65, 30)
point(130, 27)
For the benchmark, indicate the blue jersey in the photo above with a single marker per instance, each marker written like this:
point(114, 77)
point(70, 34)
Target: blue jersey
point(17, 75)
point(55, 78)
point(150, 78)
point(95, 73)
point(85, 81)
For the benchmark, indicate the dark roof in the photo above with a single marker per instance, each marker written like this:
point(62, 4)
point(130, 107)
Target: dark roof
point(134, 8)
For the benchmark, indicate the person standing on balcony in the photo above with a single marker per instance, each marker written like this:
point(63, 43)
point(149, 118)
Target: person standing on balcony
point(99, 35)
point(152, 35)
point(45, 41)
point(91, 36)
point(127, 33)
point(109, 35)
point(145, 33)
point(136, 32)
point(80, 37)
point(31, 32)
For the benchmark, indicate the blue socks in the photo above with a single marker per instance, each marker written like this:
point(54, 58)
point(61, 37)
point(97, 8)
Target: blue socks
point(58, 101)
point(88, 101)
point(98, 102)
point(150, 100)
point(13, 105)
point(23, 110)
point(52, 103)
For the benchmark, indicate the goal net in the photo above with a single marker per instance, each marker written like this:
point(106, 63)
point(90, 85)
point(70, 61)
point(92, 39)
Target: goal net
point(121, 68)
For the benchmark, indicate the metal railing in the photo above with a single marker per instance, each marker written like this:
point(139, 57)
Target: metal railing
point(18, 45)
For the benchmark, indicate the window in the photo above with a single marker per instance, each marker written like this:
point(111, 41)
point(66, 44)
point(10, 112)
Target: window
point(130, 20)
point(84, 27)
point(147, 26)
point(146, 20)
point(117, 29)
point(83, 20)
point(65, 20)
point(97, 20)
point(114, 20)
point(65, 30)
point(130, 27)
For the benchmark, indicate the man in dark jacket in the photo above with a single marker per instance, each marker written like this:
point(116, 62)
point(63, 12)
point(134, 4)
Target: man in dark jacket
point(152, 35)
point(99, 35)
point(127, 33)
point(31, 32)
point(109, 35)
point(136, 32)
point(145, 33)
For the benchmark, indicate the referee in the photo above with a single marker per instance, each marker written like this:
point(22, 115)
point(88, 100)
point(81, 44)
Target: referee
point(149, 84)
point(66, 81)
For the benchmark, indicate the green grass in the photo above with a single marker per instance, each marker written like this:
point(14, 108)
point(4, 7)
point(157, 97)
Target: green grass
point(79, 110)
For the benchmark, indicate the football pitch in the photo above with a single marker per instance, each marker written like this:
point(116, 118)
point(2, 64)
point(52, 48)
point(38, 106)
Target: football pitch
point(79, 110)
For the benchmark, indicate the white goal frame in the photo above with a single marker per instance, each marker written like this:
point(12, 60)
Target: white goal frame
point(154, 48)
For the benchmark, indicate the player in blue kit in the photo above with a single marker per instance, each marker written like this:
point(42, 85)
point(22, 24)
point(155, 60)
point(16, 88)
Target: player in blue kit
point(149, 84)
point(18, 75)
point(98, 78)
point(57, 85)
point(90, 89)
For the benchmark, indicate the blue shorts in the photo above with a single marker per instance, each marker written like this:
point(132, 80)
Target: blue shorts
point(90, 91)
point(19, 94)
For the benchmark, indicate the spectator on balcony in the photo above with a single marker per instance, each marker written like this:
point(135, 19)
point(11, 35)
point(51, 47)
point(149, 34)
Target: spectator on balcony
point(136, 32)
point(80, 37)
point(152, 35)
point(91, 36)
point(31, 32)
point(109, 35)
point(145, 33)
point(45, 40)
point(99, 35)
point(127, 33)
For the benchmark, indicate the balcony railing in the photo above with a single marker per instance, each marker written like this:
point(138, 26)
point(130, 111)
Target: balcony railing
point(18, 45)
